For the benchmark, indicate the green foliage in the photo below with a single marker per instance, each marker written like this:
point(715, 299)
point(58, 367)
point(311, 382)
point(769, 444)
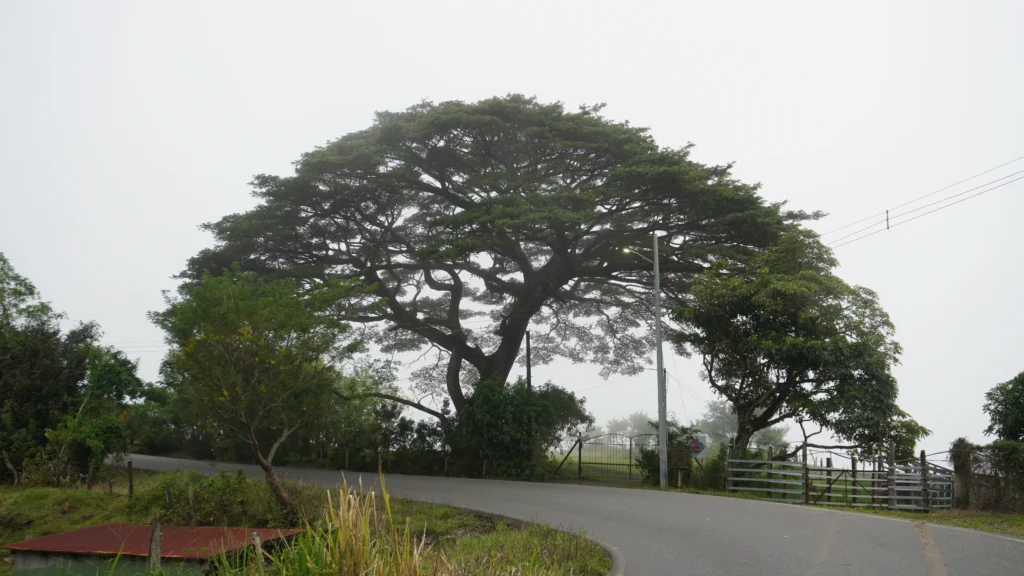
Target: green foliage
point(719, 421)
point(62, 396)
point(648, 459)
point(1008, 456)
point(634, 424)
point(250, 354)
point(364, 534)
point(504, 425)
point(225, 500)
point(711, 473)
point(782, 337)
point(1004, 405)
point(506, 209)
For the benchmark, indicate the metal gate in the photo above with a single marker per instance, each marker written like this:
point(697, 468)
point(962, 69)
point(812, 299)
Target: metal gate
point(606, 457)
point(917, 485)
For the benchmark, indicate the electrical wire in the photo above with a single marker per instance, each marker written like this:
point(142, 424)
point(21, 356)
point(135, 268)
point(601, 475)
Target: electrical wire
point(888, 219)
point(929, 212)
point(925, 196)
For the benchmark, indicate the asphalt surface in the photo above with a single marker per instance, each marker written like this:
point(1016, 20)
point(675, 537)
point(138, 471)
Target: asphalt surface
point(652, 533)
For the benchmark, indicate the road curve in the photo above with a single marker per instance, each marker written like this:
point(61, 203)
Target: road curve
point(654, 533)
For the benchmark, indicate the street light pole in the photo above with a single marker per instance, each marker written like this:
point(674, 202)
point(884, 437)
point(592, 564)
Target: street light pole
point(662, 413)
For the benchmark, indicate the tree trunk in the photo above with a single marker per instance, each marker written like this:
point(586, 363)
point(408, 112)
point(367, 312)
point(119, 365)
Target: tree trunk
point(268, 469)
point(274, 482)
point(11, 468)
point(741, 443)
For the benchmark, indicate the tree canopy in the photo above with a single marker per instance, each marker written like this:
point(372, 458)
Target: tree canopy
point(62, 395)
point(475, 221)
point(1004, 405)
point(249, 353)
point(781, 337)
point(719, 421)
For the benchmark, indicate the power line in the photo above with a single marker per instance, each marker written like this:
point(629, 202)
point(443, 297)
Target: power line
point(925, 196)
point(888, 219)
point(930, 212)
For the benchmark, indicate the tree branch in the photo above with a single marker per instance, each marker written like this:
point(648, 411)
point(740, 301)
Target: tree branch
point(393, 398)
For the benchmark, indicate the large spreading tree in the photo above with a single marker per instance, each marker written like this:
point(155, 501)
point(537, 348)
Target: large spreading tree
point(474, 222)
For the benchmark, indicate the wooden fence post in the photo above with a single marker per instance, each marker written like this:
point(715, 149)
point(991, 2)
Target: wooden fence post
point(131, 481)
point(153, 558)
point(807, 479)
point(925, 495)
point(851, 494)
point(890, 480)
point(768, 493)
point(828, 478)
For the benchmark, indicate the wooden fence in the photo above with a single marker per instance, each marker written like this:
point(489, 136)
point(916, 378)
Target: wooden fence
point(917, 485)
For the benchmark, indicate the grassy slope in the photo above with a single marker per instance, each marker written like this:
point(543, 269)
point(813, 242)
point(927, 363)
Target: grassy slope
point(477, 544)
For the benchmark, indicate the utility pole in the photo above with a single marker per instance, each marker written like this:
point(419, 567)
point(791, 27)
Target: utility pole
point(662, 412)
point(529, 393)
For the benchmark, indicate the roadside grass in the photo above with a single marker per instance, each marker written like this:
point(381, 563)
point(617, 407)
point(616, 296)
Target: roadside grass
point(350, 534)
point(1007, 524)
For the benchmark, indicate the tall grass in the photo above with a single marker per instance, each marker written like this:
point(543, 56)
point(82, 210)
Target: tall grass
point(358, 536)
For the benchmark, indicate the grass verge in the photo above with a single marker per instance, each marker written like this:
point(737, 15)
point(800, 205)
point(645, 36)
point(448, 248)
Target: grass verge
point(1007, 524)
point(350, 533)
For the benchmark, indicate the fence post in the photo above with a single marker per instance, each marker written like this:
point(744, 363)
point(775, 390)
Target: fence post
point(155, 548)
point(890, 480)
point(851, 494)
point(630, 458)
point(579, 458)
point(807, 479)
point(131, 481)
point(925, 492)
point(961, 456)
point(828, 478)
point(768, 493)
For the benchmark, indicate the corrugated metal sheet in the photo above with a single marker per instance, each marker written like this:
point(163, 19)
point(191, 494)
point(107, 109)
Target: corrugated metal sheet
point(182, 542)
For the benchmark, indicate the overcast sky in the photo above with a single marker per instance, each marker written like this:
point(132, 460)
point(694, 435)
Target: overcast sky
point(124, 125)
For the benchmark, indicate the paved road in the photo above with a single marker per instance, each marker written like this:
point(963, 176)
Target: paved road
point(657, 533)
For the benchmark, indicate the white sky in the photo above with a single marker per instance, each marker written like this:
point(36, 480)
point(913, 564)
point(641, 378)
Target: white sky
point(124, 125)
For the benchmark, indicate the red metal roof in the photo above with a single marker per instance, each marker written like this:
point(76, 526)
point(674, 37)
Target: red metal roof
point(133, 540)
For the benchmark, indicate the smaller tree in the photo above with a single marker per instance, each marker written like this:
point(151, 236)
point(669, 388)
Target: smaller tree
point(252, 354)
point(634, 424)
point(719, 422)
point(1004, 405)
point(782, 337)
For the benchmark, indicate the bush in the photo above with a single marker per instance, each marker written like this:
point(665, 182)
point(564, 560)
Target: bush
point(224, 500)
point(506, 423)
point(711, 475)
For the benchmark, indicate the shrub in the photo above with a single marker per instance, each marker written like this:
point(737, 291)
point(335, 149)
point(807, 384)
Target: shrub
point(224, 500)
